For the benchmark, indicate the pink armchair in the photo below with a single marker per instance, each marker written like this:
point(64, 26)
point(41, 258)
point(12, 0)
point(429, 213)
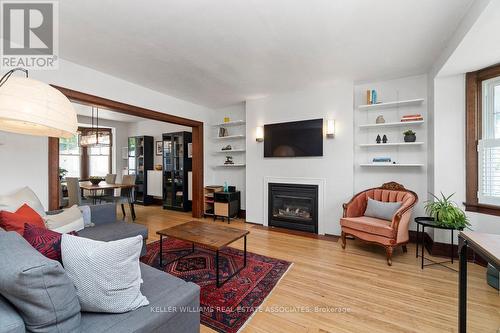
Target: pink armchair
point(388, 234)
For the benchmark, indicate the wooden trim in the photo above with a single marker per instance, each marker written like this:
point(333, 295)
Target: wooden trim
point(197, 130)
point(331, 238)
point(473, 133)
point(53, 165)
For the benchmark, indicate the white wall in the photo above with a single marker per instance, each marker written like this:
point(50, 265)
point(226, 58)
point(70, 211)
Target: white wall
point(233, 176)
point(449, 151)
point(413, 178)
point(18, 172)
point(155, 129)
point(334, 100)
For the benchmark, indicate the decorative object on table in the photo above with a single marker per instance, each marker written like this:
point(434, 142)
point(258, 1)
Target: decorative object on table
point(158, 167)
point(381, 160)
point(410, 136)
point(446, 212)
point(223, 132)
point(95, 180)
point(378, 139)
point(226, 187)
point(228, 147)
point(412, 117)
point(384, 139)
point(371, 97)
point(227, 119)
point(380, 120)
point(62, 173)
point(159, 148)
point(95, 137)
point(32, 107)
point(229, 160)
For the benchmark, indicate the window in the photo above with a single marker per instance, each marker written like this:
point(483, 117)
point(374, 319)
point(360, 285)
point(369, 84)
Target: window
point(69, 155)
point(483, 141)
point(99, 161)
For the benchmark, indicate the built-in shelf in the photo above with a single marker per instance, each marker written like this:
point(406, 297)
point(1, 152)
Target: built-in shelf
point(231, 123)
point(378, 165)
point(240, 136)
point(388, 105)
point(391, 144)
point(399, 123)
point(231, 151)
point(236, 165)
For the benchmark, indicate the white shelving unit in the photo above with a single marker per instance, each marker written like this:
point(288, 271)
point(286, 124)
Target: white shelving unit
point(230, 151)
point(381, 165)
point(393, 124)
point(231, 123)
point(389, 105)
point(235, 165)
point(239, 136)
point(392, 144)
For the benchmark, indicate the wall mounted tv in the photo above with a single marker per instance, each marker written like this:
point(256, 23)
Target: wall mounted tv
point(294, 139)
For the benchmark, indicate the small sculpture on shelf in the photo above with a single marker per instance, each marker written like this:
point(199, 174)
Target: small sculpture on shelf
point(223, 132)
point(229, 160)
point(378, 139)
point(384, 139)
point(380, 120)
point(228, 147)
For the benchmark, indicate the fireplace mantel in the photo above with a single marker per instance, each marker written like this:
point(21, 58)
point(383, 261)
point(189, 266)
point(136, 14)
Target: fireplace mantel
point(320, 182)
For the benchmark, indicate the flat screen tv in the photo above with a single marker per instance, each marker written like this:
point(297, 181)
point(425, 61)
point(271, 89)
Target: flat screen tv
point(294, 139)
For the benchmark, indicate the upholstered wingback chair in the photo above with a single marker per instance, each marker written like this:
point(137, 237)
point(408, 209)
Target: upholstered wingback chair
point(388, 234)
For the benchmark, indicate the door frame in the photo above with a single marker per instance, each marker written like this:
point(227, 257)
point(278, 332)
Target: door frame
point(88, 99)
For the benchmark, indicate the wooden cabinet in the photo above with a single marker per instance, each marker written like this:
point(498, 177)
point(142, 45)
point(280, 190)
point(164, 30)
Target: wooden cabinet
point(226, 204)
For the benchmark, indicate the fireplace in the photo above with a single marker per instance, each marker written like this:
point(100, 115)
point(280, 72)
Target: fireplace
point(293, 206)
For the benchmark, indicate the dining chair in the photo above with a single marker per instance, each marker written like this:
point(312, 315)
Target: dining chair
point(109, 179)
point(74, 192)
point(127, 195)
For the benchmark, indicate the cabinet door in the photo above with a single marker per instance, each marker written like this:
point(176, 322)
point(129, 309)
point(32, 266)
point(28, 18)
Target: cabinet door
point(222, 209)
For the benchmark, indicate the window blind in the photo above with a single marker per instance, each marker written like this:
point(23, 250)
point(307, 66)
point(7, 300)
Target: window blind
point(489, 171)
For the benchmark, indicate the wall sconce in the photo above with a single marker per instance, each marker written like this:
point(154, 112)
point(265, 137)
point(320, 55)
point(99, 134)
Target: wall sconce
point(330, 128)
point(259, 134)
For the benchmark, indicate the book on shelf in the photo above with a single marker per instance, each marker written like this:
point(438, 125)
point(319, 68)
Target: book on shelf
point(371, 96)
point(382, 160)
point(412, 117)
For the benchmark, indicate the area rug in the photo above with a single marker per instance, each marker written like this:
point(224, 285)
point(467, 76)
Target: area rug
point(224, 309)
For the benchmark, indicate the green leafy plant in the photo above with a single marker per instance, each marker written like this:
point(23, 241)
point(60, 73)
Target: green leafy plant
point(62, 172)
point(446, 213)
point(409, 132)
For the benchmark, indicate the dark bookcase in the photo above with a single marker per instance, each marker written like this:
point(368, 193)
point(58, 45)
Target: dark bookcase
point(140, 160)
point(176, 164)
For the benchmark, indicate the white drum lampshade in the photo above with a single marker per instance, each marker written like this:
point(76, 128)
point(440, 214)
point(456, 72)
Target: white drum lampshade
point(32, 107)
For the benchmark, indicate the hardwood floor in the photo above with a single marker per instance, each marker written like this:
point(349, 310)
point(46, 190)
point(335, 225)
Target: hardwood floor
point(379, 298)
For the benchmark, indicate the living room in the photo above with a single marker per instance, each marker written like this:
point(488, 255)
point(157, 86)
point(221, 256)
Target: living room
point(343, 168)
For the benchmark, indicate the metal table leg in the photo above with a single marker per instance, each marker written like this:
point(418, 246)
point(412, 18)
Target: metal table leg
point(217, 268)
point(161, 251)
point(418, 239)
point(423, 245)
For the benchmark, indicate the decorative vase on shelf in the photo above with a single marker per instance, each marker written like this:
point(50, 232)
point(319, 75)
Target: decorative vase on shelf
point(410, 136)
point(380, 120)
point(378, 139)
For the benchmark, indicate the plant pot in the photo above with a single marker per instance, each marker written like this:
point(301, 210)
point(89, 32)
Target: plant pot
point(410, 138)
point(96, 181)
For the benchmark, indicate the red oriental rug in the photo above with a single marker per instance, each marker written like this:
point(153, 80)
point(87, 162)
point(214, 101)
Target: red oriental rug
point(224, 309)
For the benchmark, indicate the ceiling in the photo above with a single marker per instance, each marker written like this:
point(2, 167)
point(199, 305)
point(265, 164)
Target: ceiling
point(86, 110)
point(220, 52)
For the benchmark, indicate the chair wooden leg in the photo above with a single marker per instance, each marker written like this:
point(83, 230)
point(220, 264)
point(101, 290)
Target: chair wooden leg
point(123, 211)
point(342, 237)
point(388, 252)
point(405, 249)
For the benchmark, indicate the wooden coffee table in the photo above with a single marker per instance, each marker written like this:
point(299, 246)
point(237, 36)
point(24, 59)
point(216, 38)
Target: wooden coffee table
point(206, 235)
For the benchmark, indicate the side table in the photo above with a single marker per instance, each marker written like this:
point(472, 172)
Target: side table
point(430, 223)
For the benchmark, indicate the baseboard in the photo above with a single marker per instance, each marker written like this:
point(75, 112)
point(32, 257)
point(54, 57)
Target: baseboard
point(438, 249)
point(331, 238)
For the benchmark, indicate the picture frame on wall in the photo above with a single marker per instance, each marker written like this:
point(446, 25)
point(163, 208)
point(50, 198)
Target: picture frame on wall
point(159, 148)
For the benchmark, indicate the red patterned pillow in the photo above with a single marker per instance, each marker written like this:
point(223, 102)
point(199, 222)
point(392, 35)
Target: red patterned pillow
point(15, 221)
point(45, 241)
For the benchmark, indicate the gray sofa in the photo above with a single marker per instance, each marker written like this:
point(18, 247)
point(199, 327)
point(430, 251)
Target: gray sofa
point(174, 303)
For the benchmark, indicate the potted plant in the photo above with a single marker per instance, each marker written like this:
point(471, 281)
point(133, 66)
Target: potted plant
point(62, 173)
point(446, 213)
point(95, 180)
point(410, 136)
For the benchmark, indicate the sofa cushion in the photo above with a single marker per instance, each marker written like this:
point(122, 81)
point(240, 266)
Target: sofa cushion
point(13, 201)
point(11, 321)
point(167, 296)
point(381, 210)
point(368, 224)
point(106, 274)
point(68, 220)
point(45, 241)
point(37, 287)
point(114, 231)
point(15, 221)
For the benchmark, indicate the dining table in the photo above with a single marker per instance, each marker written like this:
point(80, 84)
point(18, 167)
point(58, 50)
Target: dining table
point(87, 185)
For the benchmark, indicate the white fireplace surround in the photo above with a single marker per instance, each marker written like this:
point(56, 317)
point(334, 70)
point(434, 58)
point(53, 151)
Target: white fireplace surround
point(320, 182)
